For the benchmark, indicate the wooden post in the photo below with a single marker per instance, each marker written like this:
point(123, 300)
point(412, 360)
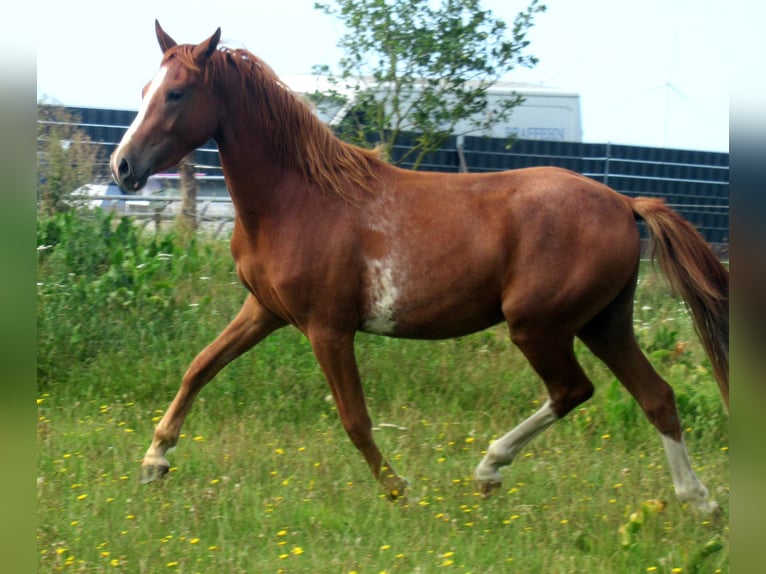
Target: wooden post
point(187, 218)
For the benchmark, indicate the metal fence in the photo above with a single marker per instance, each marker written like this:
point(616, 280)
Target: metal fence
point(213, 214)
point(694, 183)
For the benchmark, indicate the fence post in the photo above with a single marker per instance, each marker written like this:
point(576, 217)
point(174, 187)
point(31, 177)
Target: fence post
point(606, 162)
point(462, 164)
point(187, 217)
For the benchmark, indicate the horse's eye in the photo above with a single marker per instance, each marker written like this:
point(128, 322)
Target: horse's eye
point(174, 95)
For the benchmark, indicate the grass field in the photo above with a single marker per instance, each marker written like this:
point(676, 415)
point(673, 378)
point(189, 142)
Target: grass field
point(265, 480)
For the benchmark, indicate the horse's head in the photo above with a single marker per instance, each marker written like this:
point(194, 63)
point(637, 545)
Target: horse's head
point(178, 114)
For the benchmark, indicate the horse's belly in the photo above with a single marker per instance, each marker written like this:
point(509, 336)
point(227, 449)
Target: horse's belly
point(431, 305)
point(444, 325)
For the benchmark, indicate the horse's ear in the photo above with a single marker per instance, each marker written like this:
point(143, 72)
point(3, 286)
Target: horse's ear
point(166, 42)
point(205, 49)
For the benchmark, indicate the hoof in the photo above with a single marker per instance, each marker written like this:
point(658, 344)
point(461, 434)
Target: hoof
point(396, 496)
point(487, 488)
point(395, 488)
point(710, 508)
point(152, 472)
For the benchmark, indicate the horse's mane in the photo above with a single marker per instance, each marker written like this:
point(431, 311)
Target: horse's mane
point(298, 139)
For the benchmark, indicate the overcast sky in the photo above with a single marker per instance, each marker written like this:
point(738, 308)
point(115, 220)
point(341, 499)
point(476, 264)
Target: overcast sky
point(650, 73)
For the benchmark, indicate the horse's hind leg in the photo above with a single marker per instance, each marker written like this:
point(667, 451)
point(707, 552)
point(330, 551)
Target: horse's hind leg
point(611, 338)
point(567, 385)
point(250, 326)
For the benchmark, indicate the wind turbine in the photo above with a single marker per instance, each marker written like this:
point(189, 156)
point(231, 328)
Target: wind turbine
point(669, 88)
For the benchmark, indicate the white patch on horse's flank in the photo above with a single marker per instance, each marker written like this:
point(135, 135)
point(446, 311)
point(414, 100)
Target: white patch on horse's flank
point(153, 87)
point(383, 296)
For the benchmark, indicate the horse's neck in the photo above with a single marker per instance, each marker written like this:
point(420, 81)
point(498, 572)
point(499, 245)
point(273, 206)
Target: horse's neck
point(247, 163)
point(259, 187)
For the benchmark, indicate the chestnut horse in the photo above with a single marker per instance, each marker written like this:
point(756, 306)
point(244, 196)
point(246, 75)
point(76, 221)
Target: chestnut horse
point(333, 240)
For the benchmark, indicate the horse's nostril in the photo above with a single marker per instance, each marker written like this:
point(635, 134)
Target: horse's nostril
point(123, 169)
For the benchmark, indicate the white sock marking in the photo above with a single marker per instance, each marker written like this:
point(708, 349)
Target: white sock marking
point(687, 485)
point(502, 451)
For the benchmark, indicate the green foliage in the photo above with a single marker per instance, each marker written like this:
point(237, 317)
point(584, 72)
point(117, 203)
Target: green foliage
point(98, 273)
point(417, 66)
point(67, 159)
point(103, 262)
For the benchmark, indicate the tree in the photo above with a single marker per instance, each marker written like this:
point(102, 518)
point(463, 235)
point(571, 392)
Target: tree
point(67, 159)
point(415, 66)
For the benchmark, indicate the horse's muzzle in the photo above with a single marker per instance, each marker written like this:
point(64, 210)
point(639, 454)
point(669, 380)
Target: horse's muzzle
point(124, 173)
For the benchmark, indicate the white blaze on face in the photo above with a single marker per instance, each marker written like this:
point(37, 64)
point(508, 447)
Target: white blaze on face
point(148, 97)
point(383, 296)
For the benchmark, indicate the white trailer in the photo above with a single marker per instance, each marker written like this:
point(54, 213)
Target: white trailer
point(546, 113)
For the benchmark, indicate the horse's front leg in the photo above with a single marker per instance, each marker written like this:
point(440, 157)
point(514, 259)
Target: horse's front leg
point(251, 325)
point(335, 353)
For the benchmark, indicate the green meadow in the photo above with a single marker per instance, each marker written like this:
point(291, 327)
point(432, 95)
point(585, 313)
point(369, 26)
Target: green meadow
point(264, 479)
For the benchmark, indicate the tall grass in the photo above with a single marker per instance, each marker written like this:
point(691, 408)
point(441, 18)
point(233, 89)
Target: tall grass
point(264, 478)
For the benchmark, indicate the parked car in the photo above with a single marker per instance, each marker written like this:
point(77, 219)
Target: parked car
point(96, 195)
point(213, 201)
